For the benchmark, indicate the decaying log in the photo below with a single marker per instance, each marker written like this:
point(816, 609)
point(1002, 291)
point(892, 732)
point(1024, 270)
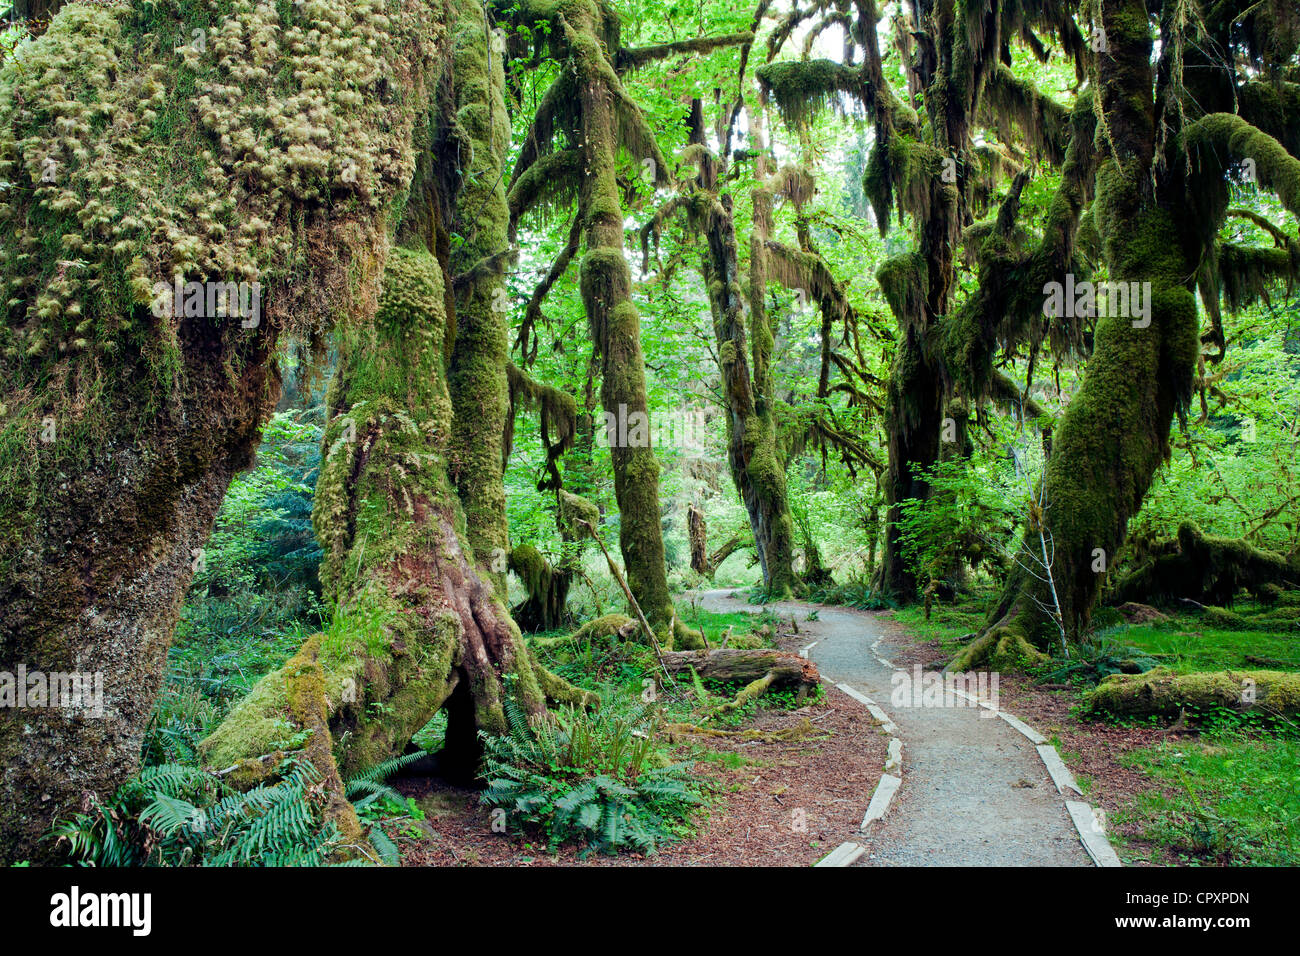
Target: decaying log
point(1160, 691)
point(736, 664)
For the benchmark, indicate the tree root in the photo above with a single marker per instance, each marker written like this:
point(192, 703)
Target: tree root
point(1001, 648)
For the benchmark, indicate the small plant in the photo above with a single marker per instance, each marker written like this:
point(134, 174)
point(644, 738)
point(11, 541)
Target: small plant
point(376, 803)
point(1095, 659)
point(599, 778)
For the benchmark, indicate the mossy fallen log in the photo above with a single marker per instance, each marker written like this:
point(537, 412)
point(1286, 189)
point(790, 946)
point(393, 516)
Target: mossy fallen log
point(1161, 692)
point(733, 664)
point(762, 670)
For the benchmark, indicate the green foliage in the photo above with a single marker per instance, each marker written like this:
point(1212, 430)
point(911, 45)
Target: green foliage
point(178, 815)
point(255, 596)
point(1099, 656)
point(969, 518)
point(601, 779)
point(263, 534)
point(858, 594)
point(1236, 803)
point(377, 803)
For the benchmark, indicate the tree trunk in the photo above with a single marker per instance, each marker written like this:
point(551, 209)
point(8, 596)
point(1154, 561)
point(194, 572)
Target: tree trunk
point(125, 420)
point(914, 420)
point(1115, 431)
point(616, 324)
point(416, 626)
point(477, 380)
point(744, 337)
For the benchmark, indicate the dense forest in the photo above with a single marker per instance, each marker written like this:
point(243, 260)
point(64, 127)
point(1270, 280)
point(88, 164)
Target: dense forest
point(439, 432)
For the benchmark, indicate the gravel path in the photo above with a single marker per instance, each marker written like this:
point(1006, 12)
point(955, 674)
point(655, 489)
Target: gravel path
point(974, 792)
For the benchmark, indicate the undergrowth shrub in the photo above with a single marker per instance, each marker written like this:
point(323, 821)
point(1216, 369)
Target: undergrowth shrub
point(599, 778)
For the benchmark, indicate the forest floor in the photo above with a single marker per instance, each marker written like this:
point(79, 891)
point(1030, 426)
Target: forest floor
point(974, 791)
point(771, 802)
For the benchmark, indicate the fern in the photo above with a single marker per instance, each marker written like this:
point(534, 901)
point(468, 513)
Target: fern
point(595, 778)
point(175, 815)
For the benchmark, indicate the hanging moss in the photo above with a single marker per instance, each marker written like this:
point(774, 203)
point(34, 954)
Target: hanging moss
point(558, 419)
point(1217, 141)
point(802, 89)
point(1044, 123)
point(547, 587)
point(1247, 273)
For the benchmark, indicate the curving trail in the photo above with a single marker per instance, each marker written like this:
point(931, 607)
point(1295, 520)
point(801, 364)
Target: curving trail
point(974, 790)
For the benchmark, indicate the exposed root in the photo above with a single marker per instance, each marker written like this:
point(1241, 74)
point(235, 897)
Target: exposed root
point(1001, 648)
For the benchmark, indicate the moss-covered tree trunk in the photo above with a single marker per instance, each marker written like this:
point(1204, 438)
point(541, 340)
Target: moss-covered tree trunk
point(1115, 431)
point(416, 626)
point(124, 419)
point(615, 322)
point(744, 338)
point(479, 390)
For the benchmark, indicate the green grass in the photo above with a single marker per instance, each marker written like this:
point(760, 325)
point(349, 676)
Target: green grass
point(1236, 799)
point(947, 622)
point(1187, 647)
point(715, 625)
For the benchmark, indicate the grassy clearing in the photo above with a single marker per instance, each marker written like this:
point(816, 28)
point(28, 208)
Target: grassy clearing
point(1186, 647)
point(948, 622)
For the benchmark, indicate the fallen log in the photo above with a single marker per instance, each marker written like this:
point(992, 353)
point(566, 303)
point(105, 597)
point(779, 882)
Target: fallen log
point(733, 664)
point(1160, 691)
point(761, 669)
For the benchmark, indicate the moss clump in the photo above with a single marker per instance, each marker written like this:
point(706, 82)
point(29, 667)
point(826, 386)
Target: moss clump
point(1003, 648)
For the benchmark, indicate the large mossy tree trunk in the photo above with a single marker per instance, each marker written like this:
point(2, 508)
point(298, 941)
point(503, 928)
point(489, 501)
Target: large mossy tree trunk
point(416, 626)
point(1115, 431)
point(124, 421)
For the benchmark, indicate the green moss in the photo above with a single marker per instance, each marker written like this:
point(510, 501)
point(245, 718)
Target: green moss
point(477, 379)
point(801, 89)
point(1162, 692)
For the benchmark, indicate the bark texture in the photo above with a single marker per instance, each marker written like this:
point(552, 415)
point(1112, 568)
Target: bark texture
point(124, 420)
